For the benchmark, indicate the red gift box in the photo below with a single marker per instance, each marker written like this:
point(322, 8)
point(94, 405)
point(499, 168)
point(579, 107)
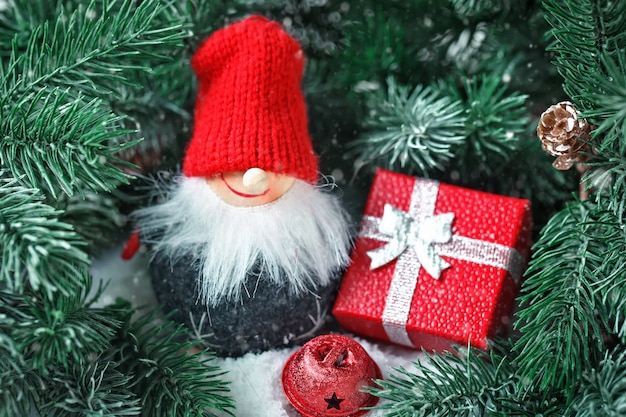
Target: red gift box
point(434, 264)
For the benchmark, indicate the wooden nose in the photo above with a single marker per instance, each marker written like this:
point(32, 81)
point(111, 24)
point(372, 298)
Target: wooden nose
point(255, 180)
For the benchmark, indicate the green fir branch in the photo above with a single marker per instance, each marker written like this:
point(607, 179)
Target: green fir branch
point(19, 386)
point(169, 381)
point(18, 19)
point(569, 297)
point(574, 29)
point(57, 333)
point(202, 17)
point(409, 41)
point(487, 9)
point(110, 53)
point(611, 21)
point(474, 49)
point(477, 8)
point(159, 113)
point(586, 33)
point(462, 382)
point(609, 102)
point(58, 144)
point(37, 250)
point(90, 389)
point(531, 174)
point(314, 24)
point(94, 216)
point(104, 47)
point(608, 173)
point(614, 27)
point(97, 362)
point(495, 119)
point(603, 389)
point(414, 132)
point(373, 47)
point(610, 290)
point(490, 10)
point(158, 103)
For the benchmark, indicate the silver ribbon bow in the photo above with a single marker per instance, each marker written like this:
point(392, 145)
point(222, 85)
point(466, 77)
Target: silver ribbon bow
point(419, 235)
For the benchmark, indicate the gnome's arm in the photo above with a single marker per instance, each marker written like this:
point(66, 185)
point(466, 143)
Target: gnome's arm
point(132, 246)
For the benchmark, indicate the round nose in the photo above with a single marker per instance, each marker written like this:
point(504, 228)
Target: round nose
point(255, 180)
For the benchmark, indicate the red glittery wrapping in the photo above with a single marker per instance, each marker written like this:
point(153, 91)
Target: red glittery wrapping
point(469, 302)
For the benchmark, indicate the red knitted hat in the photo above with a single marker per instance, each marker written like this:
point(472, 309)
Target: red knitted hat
point(250, 111)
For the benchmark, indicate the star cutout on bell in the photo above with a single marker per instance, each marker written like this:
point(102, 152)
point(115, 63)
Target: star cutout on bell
point(334, 402)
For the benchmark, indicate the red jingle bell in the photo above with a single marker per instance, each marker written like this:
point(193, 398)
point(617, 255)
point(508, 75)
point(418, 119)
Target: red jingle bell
point(326, 377)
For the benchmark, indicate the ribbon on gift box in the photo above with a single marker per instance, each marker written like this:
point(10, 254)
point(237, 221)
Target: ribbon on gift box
point(418, 239)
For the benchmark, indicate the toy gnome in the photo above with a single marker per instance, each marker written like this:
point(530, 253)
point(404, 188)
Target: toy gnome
point(246, 249)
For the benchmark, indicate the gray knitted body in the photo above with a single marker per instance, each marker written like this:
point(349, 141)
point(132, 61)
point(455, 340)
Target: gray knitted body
point(267, 315)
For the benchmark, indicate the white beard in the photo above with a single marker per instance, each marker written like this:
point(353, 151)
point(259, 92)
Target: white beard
point(303, 238)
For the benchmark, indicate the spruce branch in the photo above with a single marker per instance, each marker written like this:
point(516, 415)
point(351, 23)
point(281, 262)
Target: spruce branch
point(315, 25)
point(569, 297)
point(202, 17)
point(103, 54)
point(37, 249)
point(609, 102)
point(462, 382)
point(486, 9)
point(158, 112)
point(586, 31)
point(57, 333)
point(374, 47)
point(18, 384)
point(474, 49)
point(58, 144)
point(169, 381)
point(105, 47)
point(495, 118)
point(575, 32)
point(528, 173)
point(609, 172)
point(91, 389)
point(410, 131)
point(17, 20)
point(94, 216)
point(405, 40)
point(603, 389)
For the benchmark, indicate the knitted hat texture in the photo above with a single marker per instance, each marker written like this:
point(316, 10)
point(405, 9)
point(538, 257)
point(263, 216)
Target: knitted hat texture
point(250, 110)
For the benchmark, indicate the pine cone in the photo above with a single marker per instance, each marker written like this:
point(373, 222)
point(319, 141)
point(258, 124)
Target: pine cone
point(564, 135)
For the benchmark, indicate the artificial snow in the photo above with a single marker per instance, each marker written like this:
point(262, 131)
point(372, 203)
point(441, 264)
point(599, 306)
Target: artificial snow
point(255, 385)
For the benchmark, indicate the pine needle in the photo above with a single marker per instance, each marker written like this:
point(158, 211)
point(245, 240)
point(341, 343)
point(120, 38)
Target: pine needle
point(462, 382)
point(170, 381)
point(90, 389)
point(37, 249)
point(59, 332)
point(569, 297)
point(58, 144)
point(495, 119)
point(604, 389)
point(414, 132)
